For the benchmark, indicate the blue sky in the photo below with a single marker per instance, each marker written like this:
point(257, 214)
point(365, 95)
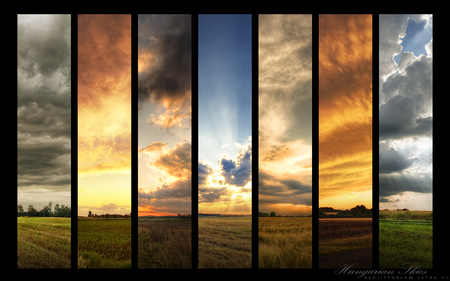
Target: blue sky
point(224, 84)
point(418, 34)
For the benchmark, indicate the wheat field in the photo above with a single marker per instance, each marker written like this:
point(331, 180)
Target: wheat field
point(285, 242)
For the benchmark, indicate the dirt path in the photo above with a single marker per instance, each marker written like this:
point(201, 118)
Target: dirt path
point(363, 258)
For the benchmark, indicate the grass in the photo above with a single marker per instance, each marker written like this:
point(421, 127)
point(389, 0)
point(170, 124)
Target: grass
point(43, 242)
point(406, 238)
point(285, 242)
point(224, 242)
point(104, 243)
point(416, 216)
point(342, 235)
point(164, 243)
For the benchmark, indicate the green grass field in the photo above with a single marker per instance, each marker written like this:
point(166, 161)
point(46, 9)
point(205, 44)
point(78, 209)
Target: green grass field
point(406, 238)
point(224, 242)
point(285, 242)
point(104, 243)
point(164, 243)
point(43, 242)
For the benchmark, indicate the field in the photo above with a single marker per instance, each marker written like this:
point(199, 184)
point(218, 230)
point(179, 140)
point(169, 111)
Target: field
point(164, 243)
point(104, 243)
point(224, 242)
point(285, 242)
point(406, 238)
point(342, 235)
point(43, 242)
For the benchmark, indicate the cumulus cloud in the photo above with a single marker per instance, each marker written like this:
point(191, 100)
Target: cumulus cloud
point(238, 171)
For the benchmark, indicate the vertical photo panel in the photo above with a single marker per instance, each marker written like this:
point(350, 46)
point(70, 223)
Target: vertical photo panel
point(285, 141)
point(345, 140)
point(225, 141)
point(405, 128)
point(104, 141)
point(164, 141)
point(44, 141)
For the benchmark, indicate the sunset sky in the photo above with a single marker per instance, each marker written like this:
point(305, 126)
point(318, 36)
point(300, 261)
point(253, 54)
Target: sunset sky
point(225, 123)
point(43, 110)
point(345, 111)
point(104, 114)
point(164, 116)
point(405, 108)
point(285, 114)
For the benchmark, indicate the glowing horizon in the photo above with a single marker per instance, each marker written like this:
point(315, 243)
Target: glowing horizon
point(104, 114)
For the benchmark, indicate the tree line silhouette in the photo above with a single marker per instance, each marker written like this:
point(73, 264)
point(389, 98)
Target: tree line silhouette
point(46, 211)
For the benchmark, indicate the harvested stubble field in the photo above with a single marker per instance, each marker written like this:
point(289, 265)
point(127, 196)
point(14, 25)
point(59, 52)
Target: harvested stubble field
point(104, 243)
point(285, 242)
point(224, 242)
point(164, 243)
point(341, 235)
point(43, 242)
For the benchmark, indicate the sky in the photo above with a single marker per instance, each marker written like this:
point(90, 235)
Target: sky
point(225, 123)
point(345, 111)
point(164, 116)
point(405, 112)
point(285, 114)
point(43, 110)
point(104, 114)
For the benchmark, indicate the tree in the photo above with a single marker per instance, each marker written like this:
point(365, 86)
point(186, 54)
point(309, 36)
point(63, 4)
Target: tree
point(56, 210)
point(32, 212)
point(272, 214)
point(45, 212)
point(90, 214)
point(19, 208)
point(50, 204)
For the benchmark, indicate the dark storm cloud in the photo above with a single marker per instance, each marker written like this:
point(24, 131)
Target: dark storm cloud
point(393, 184)
point(238, 173)
point(391, 160)
point(167, 77)
point(44, 101)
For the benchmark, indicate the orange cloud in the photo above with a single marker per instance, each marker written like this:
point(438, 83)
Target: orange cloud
point(104, 93)
point(345, 106)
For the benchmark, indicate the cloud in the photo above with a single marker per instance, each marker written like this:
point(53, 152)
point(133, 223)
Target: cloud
point(104, 93)
point(392, 160)
point(238, 171)
point(392, 184)
point(155, 146)
point(276, 190)
point(170, 118)
point(165, 59)
point(43, 108)
point(167, 198)
point(203, 172)
point(176, 162)
point(408, 101)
